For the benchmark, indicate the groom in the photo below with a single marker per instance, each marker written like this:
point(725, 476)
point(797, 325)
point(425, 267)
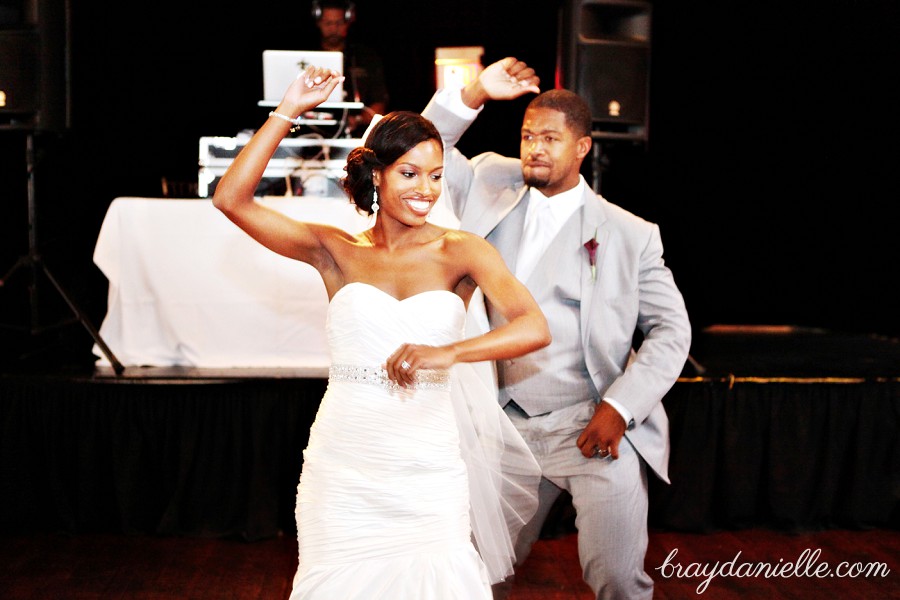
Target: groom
point(589, 405)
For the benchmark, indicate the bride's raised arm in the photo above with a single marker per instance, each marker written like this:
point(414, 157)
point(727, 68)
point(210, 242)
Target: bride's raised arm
point(234, 194)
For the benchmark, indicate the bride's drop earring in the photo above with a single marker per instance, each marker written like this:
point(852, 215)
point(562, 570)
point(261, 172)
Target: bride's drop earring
point(375, 206)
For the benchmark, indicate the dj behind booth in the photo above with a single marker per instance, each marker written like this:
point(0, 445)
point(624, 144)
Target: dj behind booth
point(336, 23)
point(310, 161)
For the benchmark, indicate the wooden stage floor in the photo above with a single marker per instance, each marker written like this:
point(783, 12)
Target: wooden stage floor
point(118, 567)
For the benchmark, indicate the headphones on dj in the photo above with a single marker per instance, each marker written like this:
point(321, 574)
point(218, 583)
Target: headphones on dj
point(349, 11)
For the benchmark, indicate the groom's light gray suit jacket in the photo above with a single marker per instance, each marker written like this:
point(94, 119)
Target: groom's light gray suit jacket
point(633, 288)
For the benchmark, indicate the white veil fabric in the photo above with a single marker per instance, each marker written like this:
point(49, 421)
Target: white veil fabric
point(503, 474)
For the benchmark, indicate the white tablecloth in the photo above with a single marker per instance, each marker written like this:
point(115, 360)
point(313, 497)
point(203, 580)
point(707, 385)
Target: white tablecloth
point(188, 288)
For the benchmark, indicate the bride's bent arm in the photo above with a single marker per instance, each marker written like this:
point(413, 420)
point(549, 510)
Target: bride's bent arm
point(234, 194)
point(525, 330)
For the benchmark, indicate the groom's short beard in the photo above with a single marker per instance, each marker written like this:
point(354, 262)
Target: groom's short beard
point(536, 182)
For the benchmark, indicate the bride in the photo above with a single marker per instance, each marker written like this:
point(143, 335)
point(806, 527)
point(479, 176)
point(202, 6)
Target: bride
point(413, 484)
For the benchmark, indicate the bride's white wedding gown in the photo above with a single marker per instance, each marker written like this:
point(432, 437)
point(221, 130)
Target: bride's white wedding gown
point(383, 504)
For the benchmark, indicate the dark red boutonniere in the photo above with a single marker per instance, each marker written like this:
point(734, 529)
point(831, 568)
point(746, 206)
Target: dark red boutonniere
point(591, 246)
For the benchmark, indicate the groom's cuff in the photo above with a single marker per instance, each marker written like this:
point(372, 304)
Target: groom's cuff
point(626, 414)
point(451, 99)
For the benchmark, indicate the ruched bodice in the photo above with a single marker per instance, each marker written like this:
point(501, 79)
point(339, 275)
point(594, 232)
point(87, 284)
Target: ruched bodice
point(365, 324)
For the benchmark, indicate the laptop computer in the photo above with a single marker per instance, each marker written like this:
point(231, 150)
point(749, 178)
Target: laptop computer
point(281, 67)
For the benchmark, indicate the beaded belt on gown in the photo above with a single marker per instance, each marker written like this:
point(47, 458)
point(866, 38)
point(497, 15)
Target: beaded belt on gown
point(426, 379)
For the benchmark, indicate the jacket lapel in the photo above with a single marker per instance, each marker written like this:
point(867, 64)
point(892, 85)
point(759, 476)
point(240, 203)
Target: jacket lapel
point(505, 234)
point(591, 228)
point(491, 215)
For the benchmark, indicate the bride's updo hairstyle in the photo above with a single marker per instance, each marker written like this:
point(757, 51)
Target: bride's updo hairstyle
point(390, 138)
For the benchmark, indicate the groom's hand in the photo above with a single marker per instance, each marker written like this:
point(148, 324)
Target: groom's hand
point(505, 79)
point(603, 433)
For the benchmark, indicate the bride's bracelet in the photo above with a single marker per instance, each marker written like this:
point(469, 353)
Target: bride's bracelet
point(294, 122)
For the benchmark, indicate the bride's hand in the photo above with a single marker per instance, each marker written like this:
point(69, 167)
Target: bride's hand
point(311, 88)
point(401, 366)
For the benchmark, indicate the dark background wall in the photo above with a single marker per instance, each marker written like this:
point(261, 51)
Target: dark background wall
point(772, 134)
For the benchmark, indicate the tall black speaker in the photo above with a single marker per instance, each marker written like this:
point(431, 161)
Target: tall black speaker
point(603, 55)
point(19, 73)
point(34, 67)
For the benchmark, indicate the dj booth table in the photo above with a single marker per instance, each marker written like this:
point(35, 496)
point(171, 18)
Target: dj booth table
point(188, 288)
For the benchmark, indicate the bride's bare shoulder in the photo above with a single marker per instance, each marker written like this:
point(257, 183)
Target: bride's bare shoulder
point(465, 241)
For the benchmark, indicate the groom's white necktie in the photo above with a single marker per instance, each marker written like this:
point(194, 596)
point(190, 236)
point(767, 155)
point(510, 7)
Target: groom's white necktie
point(535, 234)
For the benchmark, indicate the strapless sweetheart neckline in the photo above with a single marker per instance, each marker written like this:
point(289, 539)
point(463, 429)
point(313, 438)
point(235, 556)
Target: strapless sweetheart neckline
point(395, 299)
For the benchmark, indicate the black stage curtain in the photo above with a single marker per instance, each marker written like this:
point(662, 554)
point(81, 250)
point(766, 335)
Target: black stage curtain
point(787, 453)
point(200, 459)
point(222, 458)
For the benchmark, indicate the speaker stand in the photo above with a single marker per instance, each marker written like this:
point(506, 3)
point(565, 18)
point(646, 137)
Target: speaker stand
point(35, 265)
